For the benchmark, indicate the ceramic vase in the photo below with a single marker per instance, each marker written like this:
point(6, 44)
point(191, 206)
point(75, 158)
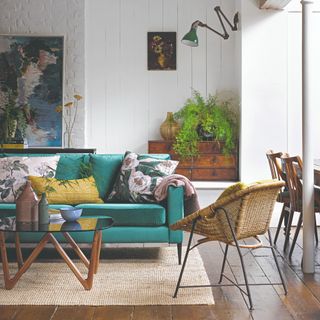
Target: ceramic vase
point(169, 128)
point(27, 205)
point(43, 210)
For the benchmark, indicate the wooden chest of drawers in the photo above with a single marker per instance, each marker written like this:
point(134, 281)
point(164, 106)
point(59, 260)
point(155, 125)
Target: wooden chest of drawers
point(210, 165)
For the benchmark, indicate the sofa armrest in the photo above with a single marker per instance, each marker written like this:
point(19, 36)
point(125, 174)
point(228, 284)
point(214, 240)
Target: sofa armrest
point(175, 211)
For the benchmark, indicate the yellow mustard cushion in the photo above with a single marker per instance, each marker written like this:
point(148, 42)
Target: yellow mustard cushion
point(66, 191)
point(232, 189)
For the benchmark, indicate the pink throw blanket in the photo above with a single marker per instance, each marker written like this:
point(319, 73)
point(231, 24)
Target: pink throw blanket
point(191, 202)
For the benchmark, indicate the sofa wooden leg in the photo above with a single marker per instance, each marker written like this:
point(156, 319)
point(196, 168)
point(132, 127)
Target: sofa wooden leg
point(179, 247)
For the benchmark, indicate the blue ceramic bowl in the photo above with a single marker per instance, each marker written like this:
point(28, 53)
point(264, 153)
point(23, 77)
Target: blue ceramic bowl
point(71, 226)
point(70, 214)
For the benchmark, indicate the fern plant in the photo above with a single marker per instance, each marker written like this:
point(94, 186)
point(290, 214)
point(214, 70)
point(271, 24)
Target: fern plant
point(202, 118)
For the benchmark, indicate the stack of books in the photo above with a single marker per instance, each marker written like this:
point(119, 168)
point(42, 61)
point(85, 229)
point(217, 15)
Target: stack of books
point(13, 144)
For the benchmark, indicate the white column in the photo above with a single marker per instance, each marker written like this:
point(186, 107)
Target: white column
point(308, 175)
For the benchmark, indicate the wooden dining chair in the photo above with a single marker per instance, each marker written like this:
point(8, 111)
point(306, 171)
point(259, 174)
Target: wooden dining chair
point(274, 160)
point(293, 169)
point(244, 212)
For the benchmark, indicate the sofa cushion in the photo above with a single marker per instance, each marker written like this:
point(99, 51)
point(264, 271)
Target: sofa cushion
point(138, 177)
point(67, 191)
point(105, 168)
point(125, 214)
point(69, 166)
point(15, 170)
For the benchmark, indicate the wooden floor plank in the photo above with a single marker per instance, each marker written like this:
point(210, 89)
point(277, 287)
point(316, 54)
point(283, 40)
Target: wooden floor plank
point(74, 313)
point(154, 313)
point(192, 312)
point(34, 313)
point(113, 313)
point(8, 312)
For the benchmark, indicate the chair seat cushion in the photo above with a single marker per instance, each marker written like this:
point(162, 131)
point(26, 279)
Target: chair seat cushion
point(125, 214)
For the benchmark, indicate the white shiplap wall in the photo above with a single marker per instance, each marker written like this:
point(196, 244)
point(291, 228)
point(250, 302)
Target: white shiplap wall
point(125, 102)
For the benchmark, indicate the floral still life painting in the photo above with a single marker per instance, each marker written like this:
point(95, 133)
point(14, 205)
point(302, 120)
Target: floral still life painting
point(162, 51)
point(31, 67)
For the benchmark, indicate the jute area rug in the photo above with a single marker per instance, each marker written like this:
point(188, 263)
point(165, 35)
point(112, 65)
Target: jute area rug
point(126, 281)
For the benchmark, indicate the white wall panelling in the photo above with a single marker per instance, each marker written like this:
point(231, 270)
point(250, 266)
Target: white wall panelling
point(57, 17)
point(126, 103)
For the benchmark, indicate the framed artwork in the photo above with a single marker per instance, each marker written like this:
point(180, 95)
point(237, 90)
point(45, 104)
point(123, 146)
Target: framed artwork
point(31, 76)
point(162, 50)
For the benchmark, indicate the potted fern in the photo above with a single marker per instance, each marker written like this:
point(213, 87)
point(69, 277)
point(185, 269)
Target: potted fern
point(202, 120)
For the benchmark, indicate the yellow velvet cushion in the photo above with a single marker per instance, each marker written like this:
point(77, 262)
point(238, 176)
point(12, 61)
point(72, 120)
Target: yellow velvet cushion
point(232, 189)
point(66, 191)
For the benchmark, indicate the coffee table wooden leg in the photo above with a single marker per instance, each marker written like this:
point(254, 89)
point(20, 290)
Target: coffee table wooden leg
point(11, 282)
point(18, 250)
point(99, 251)
point(87, 283)
point(76, 248)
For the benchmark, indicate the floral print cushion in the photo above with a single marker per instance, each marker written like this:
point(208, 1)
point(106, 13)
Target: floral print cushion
point(138, 177)
point(14, 172)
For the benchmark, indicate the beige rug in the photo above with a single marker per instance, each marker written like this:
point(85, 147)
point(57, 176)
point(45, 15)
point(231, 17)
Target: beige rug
point(118, 282)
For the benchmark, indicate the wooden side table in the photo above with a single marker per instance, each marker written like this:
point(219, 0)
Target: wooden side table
point(210, 165)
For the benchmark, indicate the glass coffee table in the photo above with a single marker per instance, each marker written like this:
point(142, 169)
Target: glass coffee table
point(81, 225)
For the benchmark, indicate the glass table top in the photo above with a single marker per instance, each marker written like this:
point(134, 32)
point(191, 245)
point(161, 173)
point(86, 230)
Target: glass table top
point(9, 224)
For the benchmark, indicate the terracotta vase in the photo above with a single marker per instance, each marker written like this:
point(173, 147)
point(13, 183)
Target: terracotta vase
point(169, 128)
point(27, 205)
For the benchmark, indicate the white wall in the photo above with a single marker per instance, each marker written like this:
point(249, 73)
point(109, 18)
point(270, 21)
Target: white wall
point(263, 87)
point(271, 84)
point(126, 103)
point(53, 17)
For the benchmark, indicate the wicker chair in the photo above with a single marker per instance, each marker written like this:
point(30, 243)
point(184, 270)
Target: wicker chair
point(274, 160)
point(242, 214)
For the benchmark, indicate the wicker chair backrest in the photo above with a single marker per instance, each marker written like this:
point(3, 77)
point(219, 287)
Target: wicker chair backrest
point(249, 210)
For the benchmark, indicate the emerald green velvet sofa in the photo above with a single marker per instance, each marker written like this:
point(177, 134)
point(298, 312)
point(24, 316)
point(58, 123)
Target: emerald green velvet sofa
point(133, 222)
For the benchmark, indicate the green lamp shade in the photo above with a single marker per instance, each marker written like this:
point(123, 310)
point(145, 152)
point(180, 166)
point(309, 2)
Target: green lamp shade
point(191, 38)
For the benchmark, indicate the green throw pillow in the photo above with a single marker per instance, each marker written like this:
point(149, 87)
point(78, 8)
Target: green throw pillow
point(105, 168)
point(138, 177)
point(69, 166)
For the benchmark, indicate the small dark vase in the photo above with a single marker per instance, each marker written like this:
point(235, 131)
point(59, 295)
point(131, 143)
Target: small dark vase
point(204, 135)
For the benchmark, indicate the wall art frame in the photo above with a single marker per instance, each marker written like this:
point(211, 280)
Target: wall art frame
point(162, 50)
point(32, 67)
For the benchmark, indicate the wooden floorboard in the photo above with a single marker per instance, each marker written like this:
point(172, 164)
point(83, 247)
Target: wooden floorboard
point(302, 302)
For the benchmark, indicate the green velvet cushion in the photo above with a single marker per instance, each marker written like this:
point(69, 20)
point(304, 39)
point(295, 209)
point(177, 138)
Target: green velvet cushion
point(69, 166)
point(105, 169)
point(126, 214)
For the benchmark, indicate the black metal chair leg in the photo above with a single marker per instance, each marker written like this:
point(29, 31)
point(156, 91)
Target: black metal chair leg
point(295, 235)
point(315, 229)
point(185, 259)
point(241, 259)
point(224, 262)
point(277, 263)
point(283, 212)
point(288, 230)
point(179, 248)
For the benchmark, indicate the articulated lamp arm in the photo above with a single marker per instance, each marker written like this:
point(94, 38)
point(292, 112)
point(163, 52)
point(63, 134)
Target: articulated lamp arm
point(191, 38)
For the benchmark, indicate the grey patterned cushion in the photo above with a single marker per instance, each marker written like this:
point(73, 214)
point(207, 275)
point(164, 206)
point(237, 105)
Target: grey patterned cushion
point(14, 172)
point(138, 177)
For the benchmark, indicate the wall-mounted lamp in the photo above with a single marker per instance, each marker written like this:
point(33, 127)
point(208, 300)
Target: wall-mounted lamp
point(191, 38)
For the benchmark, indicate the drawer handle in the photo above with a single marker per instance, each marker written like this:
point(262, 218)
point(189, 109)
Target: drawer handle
point(213, 173)
point(214, 159)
